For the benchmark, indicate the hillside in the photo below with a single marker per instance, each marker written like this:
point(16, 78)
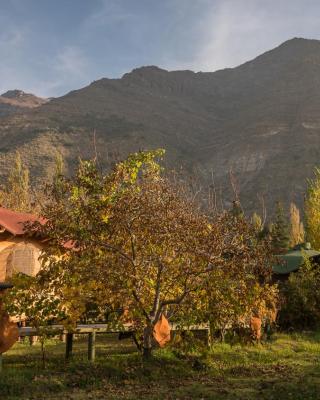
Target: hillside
point(14, 101)
point(261, 120)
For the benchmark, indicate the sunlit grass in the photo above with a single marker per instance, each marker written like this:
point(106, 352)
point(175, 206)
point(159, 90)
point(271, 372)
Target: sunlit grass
point(286, 367)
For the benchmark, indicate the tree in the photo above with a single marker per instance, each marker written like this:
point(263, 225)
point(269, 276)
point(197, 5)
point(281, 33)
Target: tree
point(29, 300)
point(312, 210)
point(280, 231)
point(296, 226)
point(16, 195)
point(240, 287)
point(301, 298)
point(129, 244)
point(136, 245)
point(236, 209)
point(257, 223)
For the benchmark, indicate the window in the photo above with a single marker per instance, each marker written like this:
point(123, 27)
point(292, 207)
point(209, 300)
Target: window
point(23, 258)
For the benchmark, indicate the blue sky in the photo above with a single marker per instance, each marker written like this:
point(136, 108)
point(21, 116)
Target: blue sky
point(50, 47)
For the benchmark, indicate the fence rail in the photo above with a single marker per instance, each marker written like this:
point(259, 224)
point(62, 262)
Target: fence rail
point(93, 329)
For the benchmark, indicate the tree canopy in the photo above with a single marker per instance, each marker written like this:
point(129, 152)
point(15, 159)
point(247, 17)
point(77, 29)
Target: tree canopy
point(127, 246)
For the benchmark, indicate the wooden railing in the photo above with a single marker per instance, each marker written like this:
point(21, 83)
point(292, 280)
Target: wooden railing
point(92, 329)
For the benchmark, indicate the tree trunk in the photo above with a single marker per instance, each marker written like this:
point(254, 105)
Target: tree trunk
point(147, 341)
point(222, 334)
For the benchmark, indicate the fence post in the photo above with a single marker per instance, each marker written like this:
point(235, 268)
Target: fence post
point(209, 336)
point(91, 346)
point(69, 343)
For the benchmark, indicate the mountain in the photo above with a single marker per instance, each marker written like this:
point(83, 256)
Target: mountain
point(14, 101)
point(261, 121)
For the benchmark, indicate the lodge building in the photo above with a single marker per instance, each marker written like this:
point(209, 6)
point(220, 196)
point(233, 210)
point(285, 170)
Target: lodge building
point(19, 252)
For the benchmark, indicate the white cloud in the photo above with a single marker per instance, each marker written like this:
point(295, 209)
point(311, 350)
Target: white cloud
point(109, 12)
point(232, 32)
point(70, 63)
point(228, 32)
point(69, 68)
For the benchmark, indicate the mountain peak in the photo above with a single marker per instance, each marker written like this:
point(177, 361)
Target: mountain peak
point(15, 94)
point(145, 71)
point(297, 43)
point(18, 98)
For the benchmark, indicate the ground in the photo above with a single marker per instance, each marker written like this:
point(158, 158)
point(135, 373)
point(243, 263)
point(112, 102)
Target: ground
point(287, 367)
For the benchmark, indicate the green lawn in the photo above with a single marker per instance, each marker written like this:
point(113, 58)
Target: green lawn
point(288, 367)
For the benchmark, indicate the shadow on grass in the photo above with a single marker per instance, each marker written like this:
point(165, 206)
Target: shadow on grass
point(272, 371)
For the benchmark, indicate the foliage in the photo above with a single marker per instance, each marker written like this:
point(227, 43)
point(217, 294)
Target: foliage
point(296, 226)
point(280, 231)
point(301, 298)
point(257, 223)
point(128, 247)
point(38, 305)
point(27, 300)
point(240, 287)
point(236, 209)
point(16, 194)
point(312, 210)
point(124, 241)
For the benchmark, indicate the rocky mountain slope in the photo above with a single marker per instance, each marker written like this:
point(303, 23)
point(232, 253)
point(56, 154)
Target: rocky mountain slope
point(260, 120)
point(14, 101)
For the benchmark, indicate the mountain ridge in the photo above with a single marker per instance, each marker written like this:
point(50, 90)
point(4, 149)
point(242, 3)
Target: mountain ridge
point(259, 120)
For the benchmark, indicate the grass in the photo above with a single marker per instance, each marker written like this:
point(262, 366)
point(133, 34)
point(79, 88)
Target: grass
point(288, 367)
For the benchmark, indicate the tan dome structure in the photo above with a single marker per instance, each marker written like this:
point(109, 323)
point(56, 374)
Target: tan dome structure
point(19, 252)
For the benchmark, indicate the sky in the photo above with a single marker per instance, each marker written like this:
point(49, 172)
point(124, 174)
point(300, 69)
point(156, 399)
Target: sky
point(49, 47)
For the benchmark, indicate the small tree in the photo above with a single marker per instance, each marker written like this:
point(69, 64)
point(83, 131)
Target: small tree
point(301, 298)
point(16, 195)
point(257, 223)
point(296, 226)
point(236, 209)
point(29, 300)
point(312, 210)
point(240, 286)
point(280, 231)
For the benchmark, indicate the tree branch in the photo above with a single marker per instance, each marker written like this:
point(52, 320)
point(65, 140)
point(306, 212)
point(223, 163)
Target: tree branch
point(156, 302)
point(136, 297)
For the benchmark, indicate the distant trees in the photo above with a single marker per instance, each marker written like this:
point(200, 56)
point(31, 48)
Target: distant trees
point(16, 193)
point(297, 234)
point(312, 210)
point(280, 231)
point(257, 223)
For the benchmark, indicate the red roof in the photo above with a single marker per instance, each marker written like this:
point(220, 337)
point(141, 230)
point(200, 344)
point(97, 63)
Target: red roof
point(13, 221)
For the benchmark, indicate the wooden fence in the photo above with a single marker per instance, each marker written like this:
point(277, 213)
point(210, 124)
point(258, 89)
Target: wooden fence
point(92, 329)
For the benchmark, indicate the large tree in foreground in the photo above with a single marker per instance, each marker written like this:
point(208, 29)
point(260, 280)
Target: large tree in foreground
point(125, 241)
point(128, 247)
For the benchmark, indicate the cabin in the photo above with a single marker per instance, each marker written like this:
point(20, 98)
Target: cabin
point(19, 252)
point(291, 261)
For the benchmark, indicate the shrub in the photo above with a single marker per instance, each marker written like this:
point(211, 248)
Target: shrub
point(301, 298)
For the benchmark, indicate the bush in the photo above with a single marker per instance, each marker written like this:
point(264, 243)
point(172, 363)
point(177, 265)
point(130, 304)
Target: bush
point(301, 298)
